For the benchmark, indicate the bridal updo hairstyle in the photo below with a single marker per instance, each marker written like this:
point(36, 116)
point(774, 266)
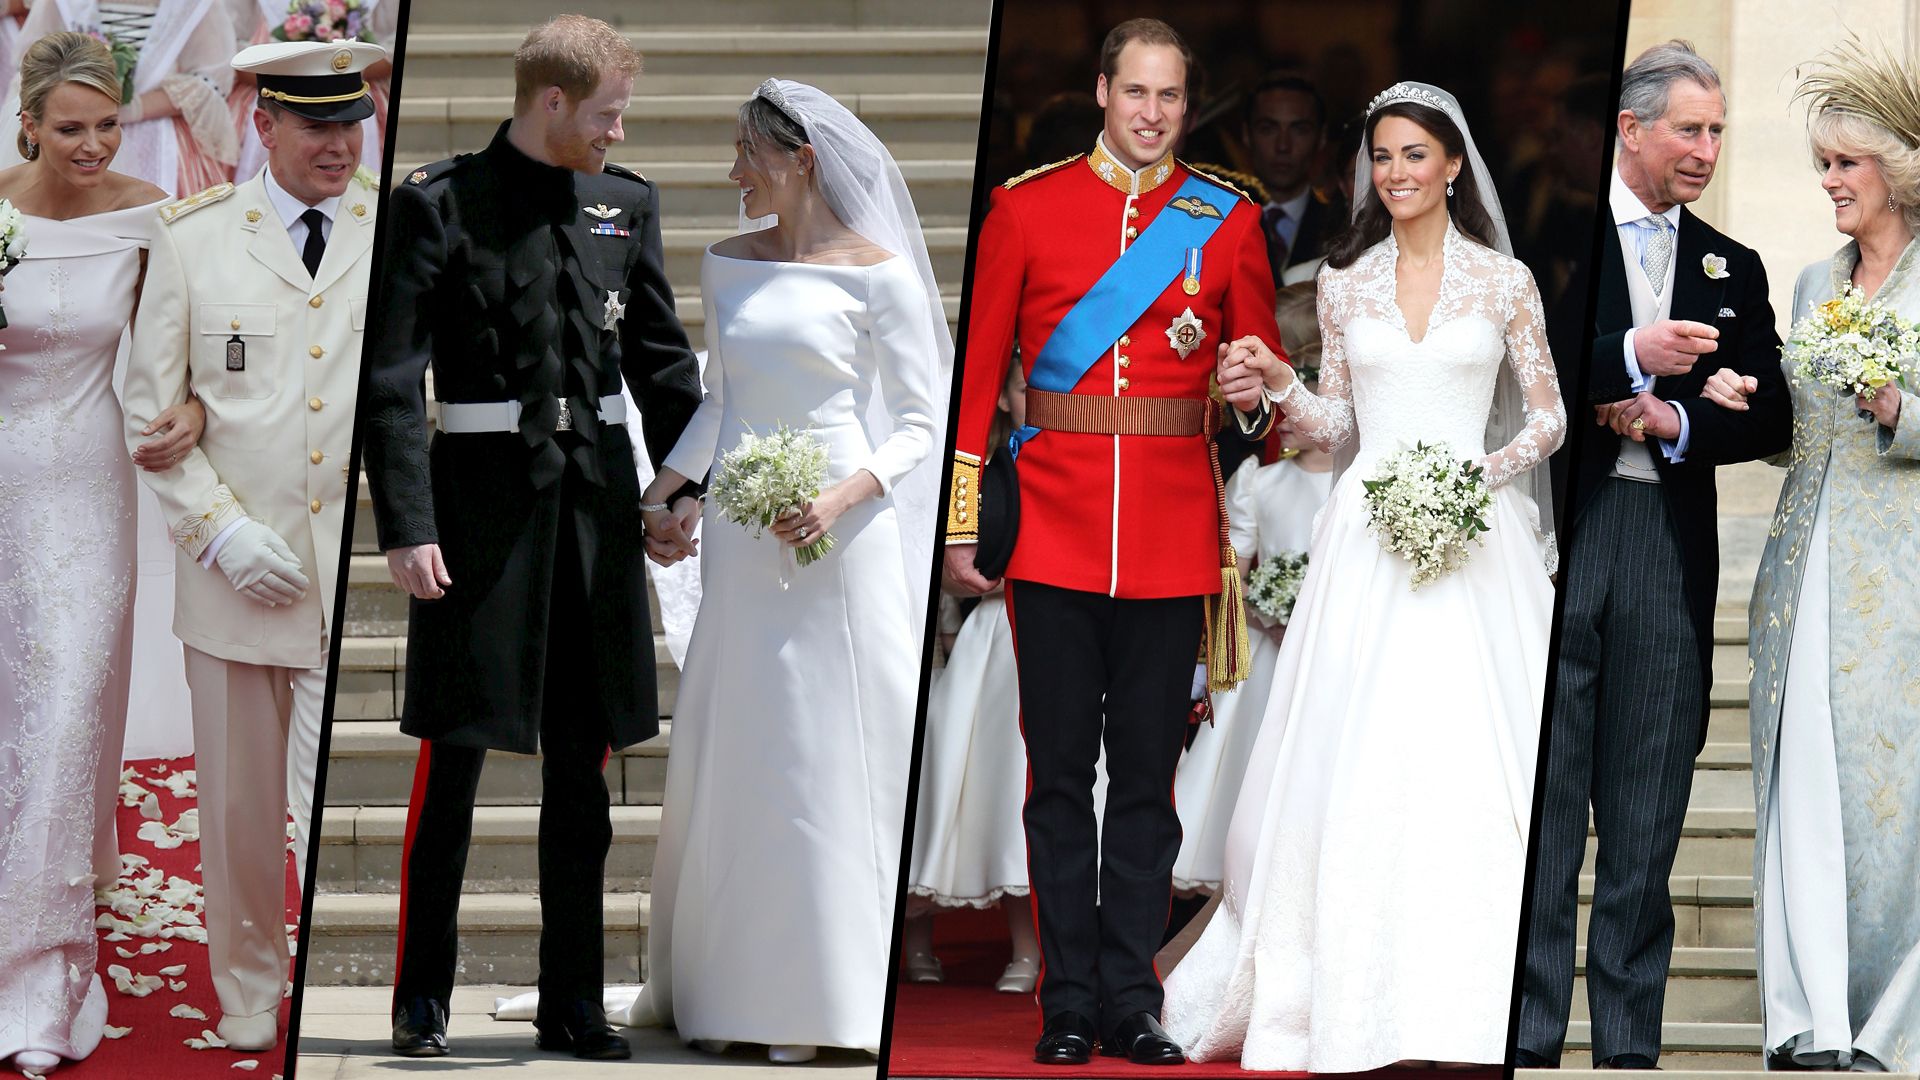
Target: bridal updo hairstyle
point(1371, 222)
point(764, 125)
point(54, 61)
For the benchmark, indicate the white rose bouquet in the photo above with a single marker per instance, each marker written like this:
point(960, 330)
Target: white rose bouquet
point(1274, 585)
point(767, 476)
point(13, 244)
point(1425, 504)
point(1852, 345)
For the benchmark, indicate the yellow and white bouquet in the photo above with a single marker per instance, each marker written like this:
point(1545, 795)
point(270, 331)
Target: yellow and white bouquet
point(1852, 344)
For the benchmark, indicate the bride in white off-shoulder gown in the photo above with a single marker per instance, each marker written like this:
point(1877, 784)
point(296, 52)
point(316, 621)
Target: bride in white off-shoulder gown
point(1376, 854)
point(773, 888)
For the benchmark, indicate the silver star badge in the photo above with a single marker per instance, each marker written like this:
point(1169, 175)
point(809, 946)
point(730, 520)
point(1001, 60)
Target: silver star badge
point(1186, 333)
point(615, 309)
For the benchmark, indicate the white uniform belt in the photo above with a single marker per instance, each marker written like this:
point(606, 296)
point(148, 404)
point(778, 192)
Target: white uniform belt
point(479, 417)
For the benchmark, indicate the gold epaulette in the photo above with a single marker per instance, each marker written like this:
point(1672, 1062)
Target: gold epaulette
point(1249, 186)
point(180, 208)
point(963, 500)
point(1040, 170)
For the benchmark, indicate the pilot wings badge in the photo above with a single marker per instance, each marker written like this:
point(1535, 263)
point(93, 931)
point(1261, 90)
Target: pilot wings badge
point(602, 211)
point(1196, 206)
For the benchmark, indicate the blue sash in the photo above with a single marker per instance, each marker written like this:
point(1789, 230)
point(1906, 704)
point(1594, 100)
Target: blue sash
point(1124, 293)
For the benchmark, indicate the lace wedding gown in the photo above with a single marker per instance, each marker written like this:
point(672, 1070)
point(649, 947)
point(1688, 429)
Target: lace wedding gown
point(67, 568)
point(1376, 854)
point(779, 856)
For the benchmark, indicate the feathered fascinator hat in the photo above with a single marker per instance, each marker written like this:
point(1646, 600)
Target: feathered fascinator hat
point(1872, 85)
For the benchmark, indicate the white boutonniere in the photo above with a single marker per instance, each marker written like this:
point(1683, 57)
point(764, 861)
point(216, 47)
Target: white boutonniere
point(1714, 265)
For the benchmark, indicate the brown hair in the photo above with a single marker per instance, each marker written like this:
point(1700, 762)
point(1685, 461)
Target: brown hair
point(572, 52)
point(1145, 32)
point(56, 60)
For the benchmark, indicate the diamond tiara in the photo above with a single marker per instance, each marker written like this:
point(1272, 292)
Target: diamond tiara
point(770, 90)
point(1419, 95)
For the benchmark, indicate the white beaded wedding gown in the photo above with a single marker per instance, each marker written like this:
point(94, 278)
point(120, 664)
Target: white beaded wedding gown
point(1376, 854)
point(67, 570)
point(779, 856)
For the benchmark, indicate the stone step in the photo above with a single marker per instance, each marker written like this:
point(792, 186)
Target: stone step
point(1709, 911)
point(360, 849)
point(376, 608)
point(351, 940)
point(1720, 804)
point(1730, 627)
point(369, 763)
point(1704, 986)
point(1719, 1039)
point(654, 15)
point(694, 127)
point(1712, 854)
point(729, 60)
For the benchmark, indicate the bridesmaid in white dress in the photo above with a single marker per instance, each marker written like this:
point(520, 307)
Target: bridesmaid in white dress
point(773, 887)
point(1270, 509)
point(67, 546)
point(1376, 855)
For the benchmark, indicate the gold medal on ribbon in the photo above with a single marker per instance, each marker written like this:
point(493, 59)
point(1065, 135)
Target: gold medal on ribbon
point(1186, 333)
point(1190, 281)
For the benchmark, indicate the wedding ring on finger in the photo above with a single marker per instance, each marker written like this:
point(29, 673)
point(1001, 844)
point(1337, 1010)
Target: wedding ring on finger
point(803, 532)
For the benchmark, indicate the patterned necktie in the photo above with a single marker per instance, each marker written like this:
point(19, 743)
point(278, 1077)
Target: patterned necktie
point(1658, 253)
point(316, 246)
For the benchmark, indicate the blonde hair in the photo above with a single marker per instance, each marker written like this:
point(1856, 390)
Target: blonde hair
point(572, 52)
point(53, 62)
point(1296, 309)
point(1836, 131)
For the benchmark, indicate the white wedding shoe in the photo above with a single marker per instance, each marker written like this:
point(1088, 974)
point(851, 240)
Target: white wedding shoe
point(36, 1062)
point(790, 1054)
point(250, 1034)
point(1019, 977)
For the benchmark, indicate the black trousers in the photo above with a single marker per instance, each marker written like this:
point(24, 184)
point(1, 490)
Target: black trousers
point(1095, 670)
point(575, 826)
point(1626, 724)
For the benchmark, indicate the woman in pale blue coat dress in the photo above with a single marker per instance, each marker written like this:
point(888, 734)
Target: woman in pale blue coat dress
point(1835, 637)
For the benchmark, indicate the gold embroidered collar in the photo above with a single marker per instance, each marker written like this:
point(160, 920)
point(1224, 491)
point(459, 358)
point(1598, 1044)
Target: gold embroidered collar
point(1125, 180)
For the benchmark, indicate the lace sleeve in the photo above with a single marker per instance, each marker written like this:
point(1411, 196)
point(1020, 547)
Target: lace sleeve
point(1531, 366)
point(1326, 417)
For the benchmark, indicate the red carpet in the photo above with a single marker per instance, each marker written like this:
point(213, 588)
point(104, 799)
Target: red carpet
point(963, 1027)
point(155, 1048)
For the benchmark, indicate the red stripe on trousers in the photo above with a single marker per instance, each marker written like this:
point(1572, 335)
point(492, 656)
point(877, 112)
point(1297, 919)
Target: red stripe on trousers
point(421, 768)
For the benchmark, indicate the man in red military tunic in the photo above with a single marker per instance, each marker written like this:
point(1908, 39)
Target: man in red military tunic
point(1120, 274)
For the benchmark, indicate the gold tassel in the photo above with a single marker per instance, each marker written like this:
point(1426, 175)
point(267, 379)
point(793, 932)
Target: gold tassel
point(1229, 658)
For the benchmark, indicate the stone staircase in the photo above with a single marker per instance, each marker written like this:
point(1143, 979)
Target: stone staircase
point(914, 72)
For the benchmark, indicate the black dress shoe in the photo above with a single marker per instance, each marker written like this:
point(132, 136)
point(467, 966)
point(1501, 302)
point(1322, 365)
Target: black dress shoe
point(1524, 1058)
point(580, 1028)
point(1626, 1061)
point(420, 1028)
point(1140, 1039)
point(1067, 1039)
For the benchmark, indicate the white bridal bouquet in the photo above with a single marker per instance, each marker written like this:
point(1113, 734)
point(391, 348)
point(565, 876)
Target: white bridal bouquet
point(13, 244)
point(1275, 584)
point(767, 476)
point(1852, 345)
point(1425, 504)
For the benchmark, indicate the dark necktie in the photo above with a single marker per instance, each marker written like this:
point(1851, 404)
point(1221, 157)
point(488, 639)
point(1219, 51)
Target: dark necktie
point(1271, 218)
point(316, 241)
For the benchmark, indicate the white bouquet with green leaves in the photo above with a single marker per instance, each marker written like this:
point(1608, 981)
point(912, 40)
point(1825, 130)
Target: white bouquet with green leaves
point(767, 477)
point(1274, 584)
point(13, 244)
point(1852, 344)
point(1425, 505)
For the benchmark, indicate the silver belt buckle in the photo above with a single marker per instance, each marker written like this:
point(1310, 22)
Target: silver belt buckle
point(565, 423)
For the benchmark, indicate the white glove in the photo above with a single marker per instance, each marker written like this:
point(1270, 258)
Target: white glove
point(261, 565)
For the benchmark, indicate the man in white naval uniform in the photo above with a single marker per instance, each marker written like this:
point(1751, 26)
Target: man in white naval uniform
point(255, 302)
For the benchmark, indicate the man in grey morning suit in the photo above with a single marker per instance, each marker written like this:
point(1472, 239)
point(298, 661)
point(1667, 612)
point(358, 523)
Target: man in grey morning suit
point(1630, 696)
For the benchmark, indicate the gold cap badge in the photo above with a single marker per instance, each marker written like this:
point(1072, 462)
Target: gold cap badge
point(343, 60)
